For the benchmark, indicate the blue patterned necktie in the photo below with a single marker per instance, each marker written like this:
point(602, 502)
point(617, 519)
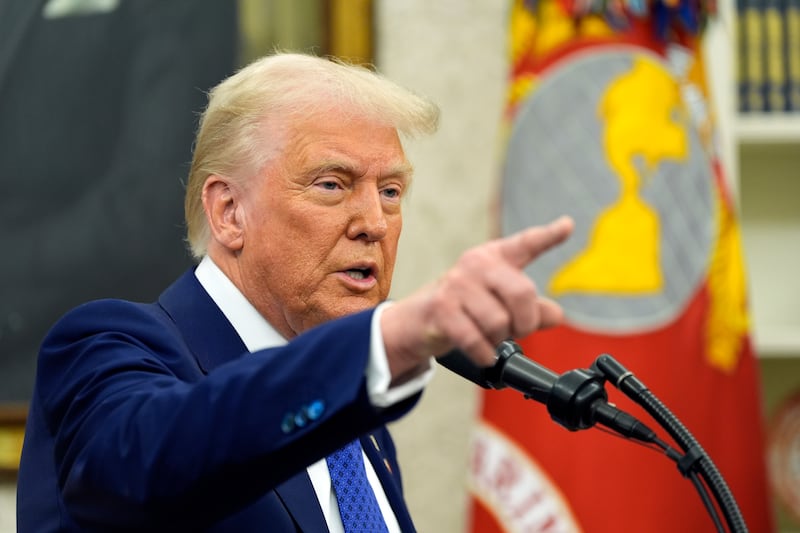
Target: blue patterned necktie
point(357, 504)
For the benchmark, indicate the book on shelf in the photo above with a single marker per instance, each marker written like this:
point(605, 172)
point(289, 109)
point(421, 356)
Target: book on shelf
point(751, 37)
point(774, 56)
point(768, 56)
point(792, 53)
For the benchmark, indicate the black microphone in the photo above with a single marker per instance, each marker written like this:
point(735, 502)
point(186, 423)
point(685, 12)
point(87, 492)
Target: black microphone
point(575, 399)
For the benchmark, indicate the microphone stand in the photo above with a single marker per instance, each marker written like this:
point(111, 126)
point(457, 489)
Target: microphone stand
point(695, 459)
point(577, 400)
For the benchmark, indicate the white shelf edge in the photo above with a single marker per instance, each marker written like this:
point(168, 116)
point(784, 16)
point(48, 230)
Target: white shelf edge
point(777, 341)
point(755, 128)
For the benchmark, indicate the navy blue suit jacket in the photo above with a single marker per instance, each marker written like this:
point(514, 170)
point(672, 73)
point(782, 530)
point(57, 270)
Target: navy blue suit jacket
point(154, 417)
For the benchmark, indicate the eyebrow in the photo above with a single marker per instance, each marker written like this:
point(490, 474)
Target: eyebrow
point(404, 169)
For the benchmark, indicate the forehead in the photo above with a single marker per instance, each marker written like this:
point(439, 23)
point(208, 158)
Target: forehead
point(338, 138)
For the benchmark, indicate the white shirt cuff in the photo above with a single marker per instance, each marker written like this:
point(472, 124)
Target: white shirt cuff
point(378, 375)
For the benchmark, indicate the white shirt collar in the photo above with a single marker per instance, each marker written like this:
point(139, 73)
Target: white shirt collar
point(252, 328)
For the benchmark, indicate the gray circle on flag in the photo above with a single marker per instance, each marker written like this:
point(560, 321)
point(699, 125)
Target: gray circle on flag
point(557, 163)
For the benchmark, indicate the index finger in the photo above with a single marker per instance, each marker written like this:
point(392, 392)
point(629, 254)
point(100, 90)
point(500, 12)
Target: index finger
point(524, 246)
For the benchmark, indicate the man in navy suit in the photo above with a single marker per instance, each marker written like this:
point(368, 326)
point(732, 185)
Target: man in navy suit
point(214, 408)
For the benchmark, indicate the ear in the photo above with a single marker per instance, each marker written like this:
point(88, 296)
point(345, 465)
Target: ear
point(223, 212)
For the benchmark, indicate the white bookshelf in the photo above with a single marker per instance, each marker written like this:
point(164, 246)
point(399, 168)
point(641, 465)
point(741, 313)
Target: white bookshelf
point(765, 128)
point(761, 153)
point(769, 184)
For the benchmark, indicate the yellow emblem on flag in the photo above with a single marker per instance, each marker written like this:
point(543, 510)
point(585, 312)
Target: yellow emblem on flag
point(642, 112)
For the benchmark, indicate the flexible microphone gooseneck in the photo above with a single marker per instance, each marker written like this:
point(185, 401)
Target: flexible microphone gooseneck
point(575, 399)
point(695, 459)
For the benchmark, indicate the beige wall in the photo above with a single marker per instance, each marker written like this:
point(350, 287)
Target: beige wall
point(453, 52)
point(7, 512)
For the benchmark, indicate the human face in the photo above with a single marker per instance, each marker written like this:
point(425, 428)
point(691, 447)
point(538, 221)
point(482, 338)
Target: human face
point(322, 222)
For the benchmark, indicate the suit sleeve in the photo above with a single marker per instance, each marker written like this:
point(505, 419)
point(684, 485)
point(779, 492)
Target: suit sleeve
point(142, 437)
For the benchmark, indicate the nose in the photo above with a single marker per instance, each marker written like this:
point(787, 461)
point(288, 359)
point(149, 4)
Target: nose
point(367, 217)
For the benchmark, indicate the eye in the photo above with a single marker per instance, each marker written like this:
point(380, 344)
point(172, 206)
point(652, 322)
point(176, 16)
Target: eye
point(392, 193)
point(328, 184)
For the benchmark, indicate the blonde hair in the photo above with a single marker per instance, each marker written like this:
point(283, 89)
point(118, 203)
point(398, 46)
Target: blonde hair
point(231, 138)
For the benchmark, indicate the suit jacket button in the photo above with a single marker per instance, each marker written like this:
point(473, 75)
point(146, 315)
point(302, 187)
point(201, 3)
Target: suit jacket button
point(287, 426)
point(300, 419)
point(315, 409)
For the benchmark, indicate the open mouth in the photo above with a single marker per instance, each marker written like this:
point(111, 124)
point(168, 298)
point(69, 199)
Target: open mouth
point(359, 273)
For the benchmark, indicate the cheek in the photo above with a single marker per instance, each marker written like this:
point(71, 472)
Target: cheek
point(295, 259)
point(389, 259)
point(392, 240)
point(386, 283)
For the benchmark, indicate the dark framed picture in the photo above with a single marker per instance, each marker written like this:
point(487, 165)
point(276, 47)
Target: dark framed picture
point(85, 152)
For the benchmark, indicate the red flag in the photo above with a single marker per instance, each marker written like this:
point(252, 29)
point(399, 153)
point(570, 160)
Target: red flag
point(609, 122)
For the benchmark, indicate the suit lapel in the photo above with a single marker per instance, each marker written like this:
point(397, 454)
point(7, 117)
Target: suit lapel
point(296, 493)
point(388, 477)
point(18, 17)
point(207, 332)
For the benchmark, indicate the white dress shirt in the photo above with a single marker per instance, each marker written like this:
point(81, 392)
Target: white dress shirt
point(258, 334)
